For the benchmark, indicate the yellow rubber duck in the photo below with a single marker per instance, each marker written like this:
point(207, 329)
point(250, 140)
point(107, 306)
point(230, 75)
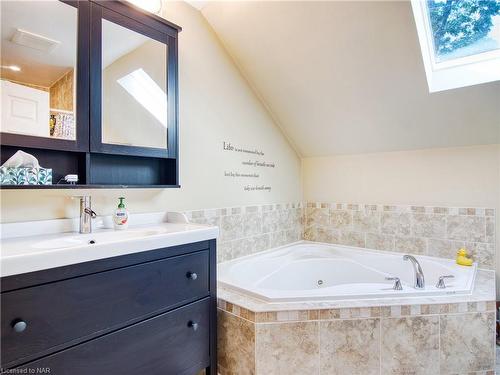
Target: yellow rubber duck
point(463, 258)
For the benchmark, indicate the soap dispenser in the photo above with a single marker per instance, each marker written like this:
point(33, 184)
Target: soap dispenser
point(120, 217)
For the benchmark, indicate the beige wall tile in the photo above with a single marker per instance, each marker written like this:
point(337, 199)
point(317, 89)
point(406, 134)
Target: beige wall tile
point(395, 223)
point(483, 253)
point(262, 242)
point(340, 219)
point(287, 348)
point(236, 344)
point(318, 216)
point(327, 314)
point(252, 224)
point(352, 238)
point(466, 228)
point(410, 345)
point(241, 247)
point(269, 221)
point(443, 248)
point(310, 233)
point(350, 347)
point(366, 221)
point(429, 225)
point(435, 231)
point(413, 245)
point(277, 239)
point(380, 241)
point(490, 229)
point(231, 227)
point(293, 235)
point(224, 251)
point(321, 234)
point(467, 342)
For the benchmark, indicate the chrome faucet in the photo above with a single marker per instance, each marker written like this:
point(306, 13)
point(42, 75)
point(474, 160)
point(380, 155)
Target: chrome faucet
point(440, 284)
point(397, 283)
point(86, 214)
point(418, 274)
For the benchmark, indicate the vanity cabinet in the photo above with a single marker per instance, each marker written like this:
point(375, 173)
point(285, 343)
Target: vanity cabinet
point(151, 312)
point(103, 92)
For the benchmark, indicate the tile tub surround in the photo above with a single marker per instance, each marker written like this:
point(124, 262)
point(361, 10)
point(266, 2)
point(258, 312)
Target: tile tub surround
point(447, 343)
point(418, 335)
point(250, 229)
point(433, 231)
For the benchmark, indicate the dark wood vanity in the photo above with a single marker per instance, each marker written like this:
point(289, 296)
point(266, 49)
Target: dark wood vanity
point(152, 312)
point(120, 124)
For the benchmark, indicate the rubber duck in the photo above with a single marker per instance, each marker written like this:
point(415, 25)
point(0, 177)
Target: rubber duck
point(463, 258)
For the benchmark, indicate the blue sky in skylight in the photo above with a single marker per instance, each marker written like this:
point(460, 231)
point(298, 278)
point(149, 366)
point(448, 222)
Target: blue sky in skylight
point(463, 28)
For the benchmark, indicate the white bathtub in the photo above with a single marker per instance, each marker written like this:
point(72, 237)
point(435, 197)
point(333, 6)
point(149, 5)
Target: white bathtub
point(312, 271)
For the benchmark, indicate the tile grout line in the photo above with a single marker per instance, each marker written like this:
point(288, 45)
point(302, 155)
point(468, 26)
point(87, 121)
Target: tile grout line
point(439, 343)
point(319, 347)
point(380, 346)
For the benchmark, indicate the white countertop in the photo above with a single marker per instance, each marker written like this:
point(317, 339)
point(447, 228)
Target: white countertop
point(34, 253)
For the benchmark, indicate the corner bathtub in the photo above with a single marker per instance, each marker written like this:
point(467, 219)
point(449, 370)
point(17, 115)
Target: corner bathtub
point(311, 271)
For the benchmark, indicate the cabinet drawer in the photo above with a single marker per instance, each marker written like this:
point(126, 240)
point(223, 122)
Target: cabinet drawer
point(60, 312)
point(167, 344)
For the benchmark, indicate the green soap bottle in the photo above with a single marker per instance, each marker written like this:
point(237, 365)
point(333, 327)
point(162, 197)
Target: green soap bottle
point(121, 216)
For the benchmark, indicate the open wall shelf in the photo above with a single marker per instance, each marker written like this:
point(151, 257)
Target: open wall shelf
point(96, 170)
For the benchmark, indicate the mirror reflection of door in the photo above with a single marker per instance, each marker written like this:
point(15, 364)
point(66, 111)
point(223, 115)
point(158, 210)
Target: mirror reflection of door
point(38, 68)
point(134, 88)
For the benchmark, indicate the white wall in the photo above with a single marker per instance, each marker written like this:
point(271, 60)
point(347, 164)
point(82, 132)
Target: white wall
point(465, 177)
point(456, 177)
point(216, 105)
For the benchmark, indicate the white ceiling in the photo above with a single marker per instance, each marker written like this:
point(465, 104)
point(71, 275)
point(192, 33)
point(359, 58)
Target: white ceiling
point(51, 19)
point(58, 21)
point(348, 77)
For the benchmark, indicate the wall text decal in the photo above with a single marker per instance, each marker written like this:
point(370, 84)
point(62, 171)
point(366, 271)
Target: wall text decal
point(246, 164)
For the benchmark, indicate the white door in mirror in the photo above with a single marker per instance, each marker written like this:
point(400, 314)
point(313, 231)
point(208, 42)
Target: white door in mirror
point(24, 110)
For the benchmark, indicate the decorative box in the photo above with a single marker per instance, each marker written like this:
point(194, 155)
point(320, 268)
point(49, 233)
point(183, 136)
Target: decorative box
point(25, 176)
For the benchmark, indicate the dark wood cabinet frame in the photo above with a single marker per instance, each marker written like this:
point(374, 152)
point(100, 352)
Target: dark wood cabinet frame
point(82, 95)
point(130, 164)
point(122, 15)
point(137, 278)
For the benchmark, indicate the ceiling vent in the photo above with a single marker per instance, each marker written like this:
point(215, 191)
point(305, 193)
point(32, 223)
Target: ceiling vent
point(35, 41)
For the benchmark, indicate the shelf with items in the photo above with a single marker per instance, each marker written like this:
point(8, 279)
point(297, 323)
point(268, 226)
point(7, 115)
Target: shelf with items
point(56, 110)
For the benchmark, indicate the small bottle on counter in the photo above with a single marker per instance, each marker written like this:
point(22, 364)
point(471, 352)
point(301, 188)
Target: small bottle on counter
point(120, 217)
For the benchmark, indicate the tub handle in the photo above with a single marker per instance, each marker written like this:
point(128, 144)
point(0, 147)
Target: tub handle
point(397, 283)
point(440, 284)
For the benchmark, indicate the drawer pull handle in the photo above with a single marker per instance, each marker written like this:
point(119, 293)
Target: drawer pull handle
point(192, 275)
point(193, 325)
point(19, 325)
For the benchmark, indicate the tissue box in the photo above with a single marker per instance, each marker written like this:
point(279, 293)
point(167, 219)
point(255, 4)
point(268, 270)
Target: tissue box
point(25, 176)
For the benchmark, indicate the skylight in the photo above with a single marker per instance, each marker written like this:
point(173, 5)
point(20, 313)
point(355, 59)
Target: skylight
point(147, 93)
point(460, 41)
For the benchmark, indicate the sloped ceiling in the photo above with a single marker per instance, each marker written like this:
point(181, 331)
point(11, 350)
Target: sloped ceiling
point(348, 77)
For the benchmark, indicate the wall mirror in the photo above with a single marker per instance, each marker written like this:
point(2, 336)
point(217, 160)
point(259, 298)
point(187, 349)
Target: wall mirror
point(134, 68)
point(39, 69)
point(89, 88)
point(134, 88)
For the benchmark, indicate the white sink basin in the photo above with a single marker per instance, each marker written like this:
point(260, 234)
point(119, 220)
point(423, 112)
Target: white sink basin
point(95, 238)
point(27, 254)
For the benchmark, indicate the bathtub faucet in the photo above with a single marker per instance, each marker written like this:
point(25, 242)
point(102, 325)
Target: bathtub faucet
point(419, 274)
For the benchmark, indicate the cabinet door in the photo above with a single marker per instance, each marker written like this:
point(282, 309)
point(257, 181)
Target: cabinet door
point(25, 110)
point(175, 343)
point(133, 81)
point(68, 311)
point(45, 74)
